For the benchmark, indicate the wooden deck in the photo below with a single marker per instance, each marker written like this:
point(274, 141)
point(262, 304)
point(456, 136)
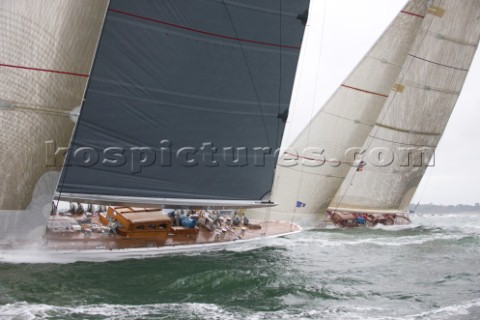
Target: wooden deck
point(79, 240)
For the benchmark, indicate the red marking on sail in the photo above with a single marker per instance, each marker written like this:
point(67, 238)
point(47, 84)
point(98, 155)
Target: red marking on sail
point(201, 31)
point(366, 91)
point(45, 70)
point(413, 14)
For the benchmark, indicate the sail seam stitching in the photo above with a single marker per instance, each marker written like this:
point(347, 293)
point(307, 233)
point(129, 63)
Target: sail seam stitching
point(382, 60)
point(203, 32)
point(319, 160)
point(440, 36)
point(317, 174)
point(348, 119)
point(179, 94)
point(402, 143)
point(428, 88)
point(408, 131)
point(438, 64)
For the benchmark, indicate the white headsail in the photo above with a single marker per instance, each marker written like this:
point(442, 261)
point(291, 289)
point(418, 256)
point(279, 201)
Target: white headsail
point(46, 54)
point(310, 172)
point(412, 122)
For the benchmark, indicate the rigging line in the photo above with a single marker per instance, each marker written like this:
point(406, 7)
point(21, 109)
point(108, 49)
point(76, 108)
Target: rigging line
point(429, 175)
point(250, 74)
point(386, 108)
point(427, 181)
point(317, 76)
point(299, 72)
point(269, 209)
point(280, 74)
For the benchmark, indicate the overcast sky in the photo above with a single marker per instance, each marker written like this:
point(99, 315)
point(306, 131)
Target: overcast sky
point(339, 34)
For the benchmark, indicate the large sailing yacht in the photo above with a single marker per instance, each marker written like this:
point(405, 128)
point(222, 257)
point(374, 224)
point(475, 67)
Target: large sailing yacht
point(183, 104)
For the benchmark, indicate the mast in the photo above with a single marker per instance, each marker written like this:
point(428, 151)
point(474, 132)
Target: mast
point(415, 115)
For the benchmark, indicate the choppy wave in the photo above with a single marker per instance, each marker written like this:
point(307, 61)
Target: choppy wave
point(425, 270)
point(424, 229)
point(25, 311)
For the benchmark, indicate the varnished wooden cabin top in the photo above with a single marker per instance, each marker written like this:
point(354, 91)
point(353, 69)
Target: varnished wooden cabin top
point(139, 222)
point(144, 218)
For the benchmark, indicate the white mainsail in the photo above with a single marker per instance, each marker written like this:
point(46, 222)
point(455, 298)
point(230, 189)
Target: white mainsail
point(45, 58)
point(312, 169)
point(413, 120)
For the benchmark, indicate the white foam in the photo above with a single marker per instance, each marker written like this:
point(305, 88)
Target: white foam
point(466, 222)
point(446, 227)
point(37, 254)
point(355, 240)
point(24, 311)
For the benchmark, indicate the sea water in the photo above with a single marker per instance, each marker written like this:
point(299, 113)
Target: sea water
point(427, 270)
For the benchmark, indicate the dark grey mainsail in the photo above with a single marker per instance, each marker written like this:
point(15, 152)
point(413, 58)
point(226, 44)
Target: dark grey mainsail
point(187, 100)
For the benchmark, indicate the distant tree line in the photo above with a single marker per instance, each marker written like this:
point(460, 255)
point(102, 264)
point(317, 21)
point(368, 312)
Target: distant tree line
point(437, 208)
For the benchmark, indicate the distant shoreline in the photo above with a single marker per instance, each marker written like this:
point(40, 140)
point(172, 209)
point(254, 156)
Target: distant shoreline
point(437, 208)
